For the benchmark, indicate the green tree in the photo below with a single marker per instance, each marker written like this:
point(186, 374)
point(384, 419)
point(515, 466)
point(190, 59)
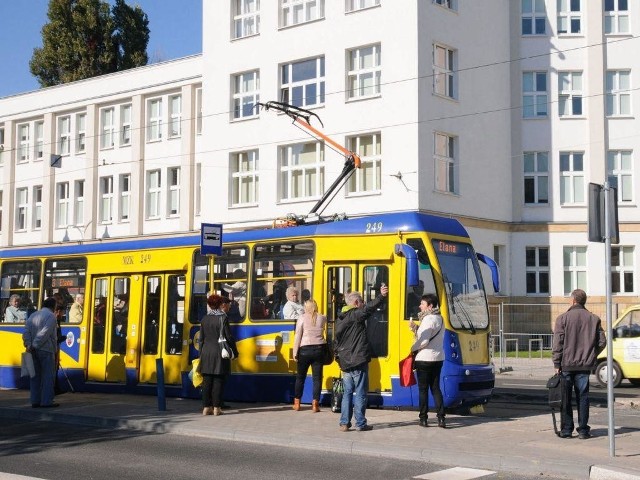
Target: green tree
point(87, 38)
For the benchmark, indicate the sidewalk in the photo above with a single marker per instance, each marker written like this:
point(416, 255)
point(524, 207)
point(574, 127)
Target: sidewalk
point(525, 443)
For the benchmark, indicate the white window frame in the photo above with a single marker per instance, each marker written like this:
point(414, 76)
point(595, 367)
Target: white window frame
point(356, 5)
point(154, 123)
point(244, 178)
point(24, 143)
point(444, 71)
point(622, 262)
point(1, 145)
point(107, 128)
point(106, 200)
point(368, 178)
point(78, 202)
point(364, 72)
point(125, 124)
point(37, 207)
point(618, 87)
point(62, 199)
point(125, 198)
point(175, 116)
point(569, 17)
point(536, 171)
point(153, 194)
point(64, 135)
point(445, 160)
point(199, 111)
point(290, 88)
point(620, 174)
point(38, 144)
point(572, 178)
point(297, 12)
point(535, 94)
point(616, 22)
point(81, 132)
point(535, 266)
point(533, 11)
point(574, 262)
point(1, 208)
point(22, 208)
point(198, 189)
point(246, 18)
point(570, 94)
point(299, 179)
point(173, 191)
point(246, 94)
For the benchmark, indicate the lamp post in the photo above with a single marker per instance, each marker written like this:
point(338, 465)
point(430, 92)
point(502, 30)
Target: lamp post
point(82, 232)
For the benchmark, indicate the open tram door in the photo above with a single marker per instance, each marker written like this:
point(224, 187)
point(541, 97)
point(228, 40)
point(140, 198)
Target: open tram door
point(162, 325)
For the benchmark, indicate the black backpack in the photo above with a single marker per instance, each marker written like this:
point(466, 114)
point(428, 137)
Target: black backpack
point(556, 386)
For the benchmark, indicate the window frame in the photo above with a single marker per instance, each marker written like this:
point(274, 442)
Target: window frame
point(153, 194)
point(81, 132)
point(567, 15)
point(372, 162)
point(175, 116)
point(37, 207)
point(106, 200)
point(154, 120)
point(617, 172)
point(447, 71)
point(620, 268)
point(537, 270)
point(125, 124)
point(239, 105)
point(536, 175)
point(615, 93)
point(358, 72)
point(173, 191)
point(78, 202)
point(288, 85)
point(107, 128)
point(569, 96)
point(288, 7)
point(533, 15)
point(350, 5)
point(24, 143)
point(244, 183)
point(22, 209)
point(62, 204)
point(288, 174)
point(245, 20)
point(569, 178)
point(539, 98)
point(612, 18)
point(124, 207)
point(445, 162)
point(64, 135)
point(575, 273)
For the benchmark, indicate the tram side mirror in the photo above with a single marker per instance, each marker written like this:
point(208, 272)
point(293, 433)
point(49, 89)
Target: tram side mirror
point(493, 266)
point(406, 251)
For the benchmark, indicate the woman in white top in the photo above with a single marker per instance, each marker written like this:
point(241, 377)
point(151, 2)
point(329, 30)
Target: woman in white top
point(308, 350)
point(292, 309)
point(428, 348)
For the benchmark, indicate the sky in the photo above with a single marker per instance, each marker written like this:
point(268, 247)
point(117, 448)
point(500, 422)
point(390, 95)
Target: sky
point(175, 31)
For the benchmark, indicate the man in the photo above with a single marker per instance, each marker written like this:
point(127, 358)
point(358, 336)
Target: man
point(40, 338)
point(352, 350)
point(75, 312)
point(578, 338)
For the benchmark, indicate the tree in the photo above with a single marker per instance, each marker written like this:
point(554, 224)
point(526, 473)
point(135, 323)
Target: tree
point(87, 38)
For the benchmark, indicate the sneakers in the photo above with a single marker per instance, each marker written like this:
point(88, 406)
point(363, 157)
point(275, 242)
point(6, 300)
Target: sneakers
point(564, 435)
point(584, 436)
point(345, 428)
point(366, 428)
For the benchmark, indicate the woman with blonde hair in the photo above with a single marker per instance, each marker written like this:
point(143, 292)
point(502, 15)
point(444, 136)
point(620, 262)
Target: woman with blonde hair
point(308, 350)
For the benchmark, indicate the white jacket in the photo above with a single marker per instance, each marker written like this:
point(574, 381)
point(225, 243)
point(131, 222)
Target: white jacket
point(429, 350)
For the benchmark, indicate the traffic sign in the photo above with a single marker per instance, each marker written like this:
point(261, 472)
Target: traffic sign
point(211, 239)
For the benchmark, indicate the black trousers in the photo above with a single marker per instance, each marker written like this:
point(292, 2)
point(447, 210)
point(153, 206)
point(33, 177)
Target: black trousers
point(309, 355)
point(428, 374)
point(212, 390)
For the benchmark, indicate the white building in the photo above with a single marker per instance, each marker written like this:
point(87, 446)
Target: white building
point(497, 112)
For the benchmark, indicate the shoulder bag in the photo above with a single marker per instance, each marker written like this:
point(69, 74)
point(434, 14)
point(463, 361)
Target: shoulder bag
point(225, 348)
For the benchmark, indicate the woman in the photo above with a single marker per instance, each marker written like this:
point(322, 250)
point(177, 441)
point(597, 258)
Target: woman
point(292, 309)
point(213, 367)
point(429, 358)
point(308, 349)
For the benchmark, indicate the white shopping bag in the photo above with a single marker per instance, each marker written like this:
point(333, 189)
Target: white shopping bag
point(28, 370)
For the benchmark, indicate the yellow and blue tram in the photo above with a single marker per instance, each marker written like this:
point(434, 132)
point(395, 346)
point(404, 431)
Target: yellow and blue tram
point(144, 298)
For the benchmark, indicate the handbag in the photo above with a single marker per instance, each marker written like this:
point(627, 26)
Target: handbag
point(407, 378)
point(328, 355)
point(27, 368)
point(194, 375)
point(226, 350)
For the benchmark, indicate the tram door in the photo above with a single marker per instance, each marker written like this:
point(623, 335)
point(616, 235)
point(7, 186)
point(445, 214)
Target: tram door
point(115, 304)
point(162, 324)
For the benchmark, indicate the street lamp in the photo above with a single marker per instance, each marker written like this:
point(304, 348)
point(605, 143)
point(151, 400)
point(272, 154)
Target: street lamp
point(82, 232)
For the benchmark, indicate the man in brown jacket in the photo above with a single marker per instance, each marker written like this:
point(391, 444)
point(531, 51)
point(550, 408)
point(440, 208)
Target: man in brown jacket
point(578, 338)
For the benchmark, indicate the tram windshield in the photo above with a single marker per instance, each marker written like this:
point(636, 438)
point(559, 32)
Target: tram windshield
point(463, 284)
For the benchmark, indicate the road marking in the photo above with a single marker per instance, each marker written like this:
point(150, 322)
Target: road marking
point(456, 473)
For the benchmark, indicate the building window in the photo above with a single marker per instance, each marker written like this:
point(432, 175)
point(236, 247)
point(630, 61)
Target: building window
point(125, 125)
point(199, 111)
point(1, 209)
point(106, 199)
point(107, 127)
point(534, 94)
point(154, 125)
point(537, 270)
point(620, 173)
point(62, 197)
point(1, 144)
point(451, 4)
point(39, 143)
point(175, 116)
point(246, 94)
point(198, 188)
point(301, 171)
point(22, 207)
point(81, 132)
point(622, 269)
point(24, 143)
point(173, 195)
point(569, 93)
point(294, 12)
point(367, 178)
point(534, 18)
point(569, 17)
point(444, 71)
point(444, 159)
point(64, 135)
point(365, 72)
point(574, 260)
point(244, 178)
point(246, 18)
point(37, 207)
point(353, 5)
point(303, 82)
point(618, 92)
point(153, 194)
point(536, 178)
point(78, 208)
point(616, 17)
point(125, 197)
point(571, 178)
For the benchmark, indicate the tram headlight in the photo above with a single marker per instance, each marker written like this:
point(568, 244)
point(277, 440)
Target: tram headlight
point(467, 372)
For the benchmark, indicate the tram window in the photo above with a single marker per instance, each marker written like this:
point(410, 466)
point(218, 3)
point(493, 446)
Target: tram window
point(101, 293)
point(152, 315)
point(378, 323)
point(120, 322)
point(276, 267)
point(23, 279)
point(200, 287)
point(230, 279)
point(64, 279)
point(175, 314)
point(426, 284)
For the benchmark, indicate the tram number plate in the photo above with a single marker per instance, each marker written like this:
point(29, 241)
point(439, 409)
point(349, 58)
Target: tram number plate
point(373, 227)
point(130, 260)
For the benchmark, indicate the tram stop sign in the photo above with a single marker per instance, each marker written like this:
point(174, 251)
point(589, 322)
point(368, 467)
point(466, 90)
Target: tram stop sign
point(211, 239)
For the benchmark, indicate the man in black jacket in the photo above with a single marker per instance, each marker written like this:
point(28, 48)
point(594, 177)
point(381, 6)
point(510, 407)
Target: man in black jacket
point(352, 350)
point(578, 338)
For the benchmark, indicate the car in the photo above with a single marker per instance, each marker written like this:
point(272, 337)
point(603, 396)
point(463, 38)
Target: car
point(626, 350)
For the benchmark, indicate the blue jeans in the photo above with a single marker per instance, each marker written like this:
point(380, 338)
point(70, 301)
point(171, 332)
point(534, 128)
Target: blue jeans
point(354, 399)
point(41, 386)
point(577, 382)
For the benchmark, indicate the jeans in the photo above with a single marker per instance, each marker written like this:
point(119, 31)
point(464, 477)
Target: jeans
point(41, 386)
point(429, 378)
point(309, 355)
point(577, 382)
point(212, 390)
point(354, 399)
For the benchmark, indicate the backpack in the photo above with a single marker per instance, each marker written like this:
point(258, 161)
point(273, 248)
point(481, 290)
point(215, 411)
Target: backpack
point(556, 386)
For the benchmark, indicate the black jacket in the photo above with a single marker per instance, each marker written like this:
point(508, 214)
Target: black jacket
point(211, 361)
point(578, 338)
point(352, 346)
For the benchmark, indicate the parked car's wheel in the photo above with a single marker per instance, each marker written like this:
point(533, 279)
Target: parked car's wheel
point(601, 374)
point(635, 382)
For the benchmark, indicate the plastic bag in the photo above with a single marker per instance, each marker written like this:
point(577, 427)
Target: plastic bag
point(337, 390)
point(27, 368)
point(407, 378)
point(194, 375)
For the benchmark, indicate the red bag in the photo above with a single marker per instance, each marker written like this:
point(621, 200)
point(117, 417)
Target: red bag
point(407, 378)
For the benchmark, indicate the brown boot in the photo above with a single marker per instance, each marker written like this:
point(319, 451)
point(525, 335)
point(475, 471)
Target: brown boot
point(315, 406)
point(207, 411)
point(217, 411)
point(296, 404)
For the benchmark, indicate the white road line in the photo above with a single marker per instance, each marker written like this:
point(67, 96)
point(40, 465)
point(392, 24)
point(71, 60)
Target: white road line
point(456, 473)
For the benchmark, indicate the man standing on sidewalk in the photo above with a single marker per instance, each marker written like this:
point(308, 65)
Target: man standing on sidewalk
point(352, 350)
point(578, 338)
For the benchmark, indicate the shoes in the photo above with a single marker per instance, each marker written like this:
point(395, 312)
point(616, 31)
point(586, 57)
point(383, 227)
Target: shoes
point(441, 422)
point(423, 422)
point(296, 404)
point(217, 411)
point(52, 405)
point(345, 428)
point(315, 406)
point(564, 435)
point(366, 428)
point(584, 436)
point(207, 411)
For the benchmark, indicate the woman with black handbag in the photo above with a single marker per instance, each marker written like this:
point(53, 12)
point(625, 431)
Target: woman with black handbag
point(309, 349)
point(214, 366)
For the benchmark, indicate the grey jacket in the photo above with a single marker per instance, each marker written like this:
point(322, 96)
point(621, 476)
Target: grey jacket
point(578, 338)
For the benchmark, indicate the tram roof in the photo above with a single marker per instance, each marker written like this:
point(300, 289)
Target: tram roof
point(383, 223)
